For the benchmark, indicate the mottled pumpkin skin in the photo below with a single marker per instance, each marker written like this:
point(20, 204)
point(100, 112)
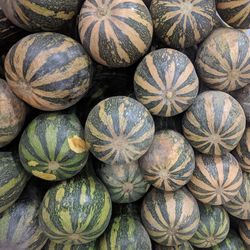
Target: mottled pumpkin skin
point(49, 71)
point(125, 183)
point(171, 218)
point(116, 33)
point(50, 245)
point(166, 82)
point(34, 15)
point(223, 60)
point(169, 163)
point(185, 246)
point(244, 230)
point(119, 130)
point(215, 123)
point(239, 206)
point(12, 114)
point(182, 24)
point(235, 13)
point(216, 179)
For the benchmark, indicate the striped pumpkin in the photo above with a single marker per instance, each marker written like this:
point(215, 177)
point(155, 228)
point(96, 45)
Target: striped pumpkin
point(54, 246)
point(235, 13)
point(181, 23)
point(223, 60)
point(169, 163)
point(244, 230)
point(12, 114)
point(19, 227)
point(119, 130)
point(45, 15)
point(185, 246)
point(239, 206)
point(49, 71)
point(52, 147)
point(116, 33)
point(13, 179)
point(125, 182)
point(125, 232)
point(216, 179)
point(215, 123)
point(213, 227)
point(166, 82)
point(242, 151)
point(76, 211)
point(171, 218)
point(232, 242)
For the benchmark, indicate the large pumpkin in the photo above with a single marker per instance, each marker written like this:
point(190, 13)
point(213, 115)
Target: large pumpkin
point(184, 246)
point(244, 230)
point(116, 33)
point(49, 71)
point(215, 123)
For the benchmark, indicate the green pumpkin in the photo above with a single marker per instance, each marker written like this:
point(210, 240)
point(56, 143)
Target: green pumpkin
point(50, 245)
point(185, 246)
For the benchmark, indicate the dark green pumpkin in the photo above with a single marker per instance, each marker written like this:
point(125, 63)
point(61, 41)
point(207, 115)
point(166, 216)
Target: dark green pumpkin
point(44, 15)
point(119, 130)
point(170, 218)
point(244, 230)
point(182, 24)
point(185, 246)
point(125, 232)
point(56, 71)
point(50, 245)
point(52, 147)
point(166, 82)
point(215, 123)
point(115, 33)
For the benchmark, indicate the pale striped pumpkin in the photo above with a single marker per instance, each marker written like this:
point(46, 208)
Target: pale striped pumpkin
point(223, 60)
point(166, 82)
point(244, 230)
point(49, 71)
point(216, 179)
point(116, 33)
point(215, 123)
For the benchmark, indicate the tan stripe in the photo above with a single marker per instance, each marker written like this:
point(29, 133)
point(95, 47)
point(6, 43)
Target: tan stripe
point(183, 77)
point(209, 111)
point(232, 4)
point(169, 75)
point(146, 85)
point(226, 111)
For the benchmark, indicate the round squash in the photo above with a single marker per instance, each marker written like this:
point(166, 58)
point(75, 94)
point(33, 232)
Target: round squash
point(244, 230)
point(242, 151)
point(181, 23)
point(49, 71)
point(185, 246)
point(76, 211)
point(239, 206)
point(44, 15)
point(125, 182)
point(52, 147)
point(13, 179)
point(115, 33)
point(216, 179)
point(50, 245)
point(171, 218)
point(125, 232)
point(119, 130)
point(235, 13)
point(223, 60)
point(166, 82)
point(12, 114)
point(215, 123)
point(213, 227)
point(169, 163)
point(19, 226)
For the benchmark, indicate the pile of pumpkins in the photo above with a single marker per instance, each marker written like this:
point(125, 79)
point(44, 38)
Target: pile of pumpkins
point(124, 125)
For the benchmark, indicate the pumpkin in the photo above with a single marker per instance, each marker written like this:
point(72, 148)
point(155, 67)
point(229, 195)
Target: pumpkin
point(171, 218)
point(44, 15)
point(166, 82)
point(185, 246)
point(169, 163)
point(52, 147)
point(223, 60)
point(119, 130)
point(125, 183)
point(181, 23)
point(244, 230)
point(12, 114)
point(239, 206)
point(115, 33)
point(49, 71)
point(50, 245)
point(216, 179)
point(213, 227)
point(215, 123)
point(76, 211)
point(125, 232)
point(235, 13)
